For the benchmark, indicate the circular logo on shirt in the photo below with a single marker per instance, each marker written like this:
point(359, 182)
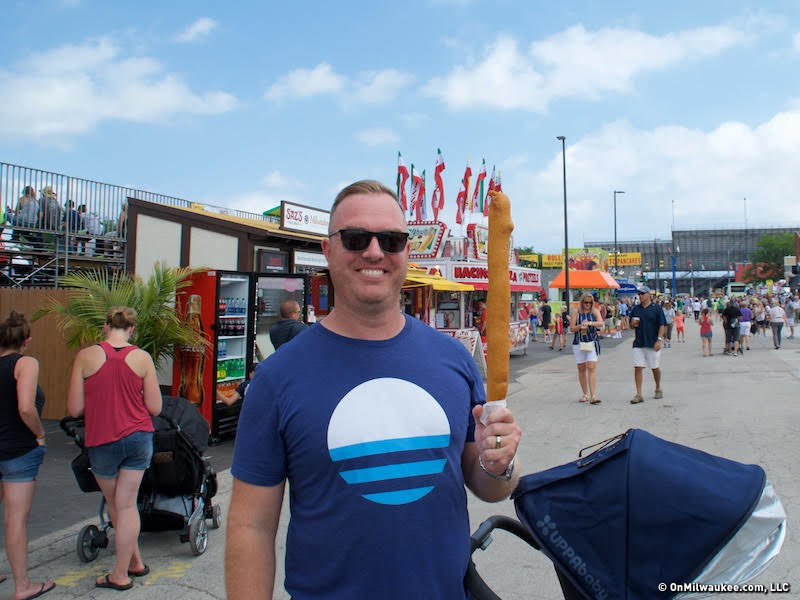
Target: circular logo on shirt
point(373, 433)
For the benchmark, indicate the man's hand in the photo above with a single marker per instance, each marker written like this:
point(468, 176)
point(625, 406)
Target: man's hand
point(657, 345)
point(501, 430)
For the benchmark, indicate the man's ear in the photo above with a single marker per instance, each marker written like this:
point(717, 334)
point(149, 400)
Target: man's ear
point(326, 247)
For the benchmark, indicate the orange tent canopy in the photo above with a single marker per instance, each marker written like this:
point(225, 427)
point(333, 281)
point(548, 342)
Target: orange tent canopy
point(585, 280)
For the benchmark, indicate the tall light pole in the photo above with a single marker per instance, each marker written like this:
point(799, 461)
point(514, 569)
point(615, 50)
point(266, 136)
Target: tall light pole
point(566, 239)
point(616, 253)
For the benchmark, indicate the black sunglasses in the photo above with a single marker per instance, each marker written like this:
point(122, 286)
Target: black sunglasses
point(357, 240)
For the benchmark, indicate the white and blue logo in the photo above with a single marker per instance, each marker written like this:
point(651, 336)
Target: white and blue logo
point(382, 417)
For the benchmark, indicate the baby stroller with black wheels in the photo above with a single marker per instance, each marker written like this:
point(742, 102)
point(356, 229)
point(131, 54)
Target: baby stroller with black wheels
point(177, 487)
point(641, 518)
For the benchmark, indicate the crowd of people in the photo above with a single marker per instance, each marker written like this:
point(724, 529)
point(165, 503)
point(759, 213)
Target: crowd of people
point(34, 216)
point(654, 321)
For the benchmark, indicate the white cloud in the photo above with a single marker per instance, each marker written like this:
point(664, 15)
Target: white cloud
point(278, 180)
point(367, 87)
point(377, 136)
point(68, 91)
point(572, 63)
point(796, 42)
point(707, 173)
point(199, 29)
point(414, 119)
point(302, 83)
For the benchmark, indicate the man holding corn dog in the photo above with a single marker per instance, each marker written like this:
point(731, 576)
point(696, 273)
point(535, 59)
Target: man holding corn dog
point(375, 419)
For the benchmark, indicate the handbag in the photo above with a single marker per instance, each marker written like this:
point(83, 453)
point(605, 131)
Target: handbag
point(585, 345)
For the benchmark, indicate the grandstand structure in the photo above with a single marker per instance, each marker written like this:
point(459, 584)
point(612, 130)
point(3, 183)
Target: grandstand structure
point(705, 258)
point(54, 224)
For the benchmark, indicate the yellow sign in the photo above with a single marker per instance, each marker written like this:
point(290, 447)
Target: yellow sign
point(531, 258)
point(625, 258)
point(552, 261)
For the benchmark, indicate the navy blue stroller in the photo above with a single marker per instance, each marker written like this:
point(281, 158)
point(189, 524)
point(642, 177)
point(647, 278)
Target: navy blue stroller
point(638, 511)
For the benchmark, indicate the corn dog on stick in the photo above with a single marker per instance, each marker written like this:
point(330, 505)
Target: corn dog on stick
point(499, 300)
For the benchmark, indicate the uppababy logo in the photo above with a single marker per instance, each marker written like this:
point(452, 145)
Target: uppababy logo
point(549, 531)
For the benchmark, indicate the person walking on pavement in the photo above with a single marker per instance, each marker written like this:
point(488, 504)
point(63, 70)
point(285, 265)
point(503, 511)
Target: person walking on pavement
point(289, 326)
point(22, 447)
point(115, 387)
point(335, 411)
point(585, 322)
point(791, 308)
point(730, 321)
point(669, 315)
point(745, 322)
point(562, 325)
point(777, 318)
point(544, 318)
point(706, 331)
point(647, 318)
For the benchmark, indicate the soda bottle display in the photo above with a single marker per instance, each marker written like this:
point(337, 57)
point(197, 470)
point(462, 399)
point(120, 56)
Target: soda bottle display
point(192, 358)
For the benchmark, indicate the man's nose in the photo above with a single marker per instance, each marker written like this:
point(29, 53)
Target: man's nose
point(374, 249)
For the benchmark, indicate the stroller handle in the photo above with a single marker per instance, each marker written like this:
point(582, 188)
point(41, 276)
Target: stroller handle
point(482, 534)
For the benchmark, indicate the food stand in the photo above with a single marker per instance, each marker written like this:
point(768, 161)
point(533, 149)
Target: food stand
point(585, 280)
point(463, 259)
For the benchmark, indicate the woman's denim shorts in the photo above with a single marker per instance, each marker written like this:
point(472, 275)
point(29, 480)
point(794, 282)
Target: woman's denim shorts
point(132, 452)
point(22, 468)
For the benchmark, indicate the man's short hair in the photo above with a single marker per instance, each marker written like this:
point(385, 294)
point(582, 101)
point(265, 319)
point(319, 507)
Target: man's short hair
point(365, 186)
point(288, 308)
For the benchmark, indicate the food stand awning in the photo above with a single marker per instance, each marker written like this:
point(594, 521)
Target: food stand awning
point(438, 283)
point(585, 280)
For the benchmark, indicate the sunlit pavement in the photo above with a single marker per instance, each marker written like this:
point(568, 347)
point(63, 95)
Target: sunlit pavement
point(745, 408)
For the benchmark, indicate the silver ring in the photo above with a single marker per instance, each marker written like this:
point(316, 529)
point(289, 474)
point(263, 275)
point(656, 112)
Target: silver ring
point(497, 442)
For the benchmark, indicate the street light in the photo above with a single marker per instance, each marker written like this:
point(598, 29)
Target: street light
point(616, 253)
point(566, 240)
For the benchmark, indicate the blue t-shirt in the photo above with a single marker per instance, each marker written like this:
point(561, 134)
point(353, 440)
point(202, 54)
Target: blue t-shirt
point(369, 435)
point(650, 320)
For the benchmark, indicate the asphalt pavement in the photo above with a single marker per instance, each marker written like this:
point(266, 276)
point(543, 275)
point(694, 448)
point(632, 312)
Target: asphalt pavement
point(745, 408)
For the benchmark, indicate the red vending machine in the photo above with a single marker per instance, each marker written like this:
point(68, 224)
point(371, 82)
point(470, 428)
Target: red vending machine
point(234, 310)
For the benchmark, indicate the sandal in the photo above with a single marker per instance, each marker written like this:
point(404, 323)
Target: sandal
point(584, 398)
point(44, 589)
point(141, 573)
point(595, 400)
point(108, 584)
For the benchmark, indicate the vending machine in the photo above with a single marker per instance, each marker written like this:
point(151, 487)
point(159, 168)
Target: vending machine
point(234, 311)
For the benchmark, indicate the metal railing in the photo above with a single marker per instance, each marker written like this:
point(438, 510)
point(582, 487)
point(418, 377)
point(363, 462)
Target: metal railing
point(53, 223)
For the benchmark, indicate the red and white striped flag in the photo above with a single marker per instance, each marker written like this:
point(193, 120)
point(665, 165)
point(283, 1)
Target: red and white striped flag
point(463, 193)
point(418, 194)
point(402, 178)
point(498, 186)
point(488, 198)
point(437, 198)
point(477, 196)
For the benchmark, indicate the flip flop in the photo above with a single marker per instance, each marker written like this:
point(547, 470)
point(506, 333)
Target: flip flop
point(584, 398)
point(3, 578)
point(108, 584)
point(595, 400)
point(141, 573)
point(41, 592)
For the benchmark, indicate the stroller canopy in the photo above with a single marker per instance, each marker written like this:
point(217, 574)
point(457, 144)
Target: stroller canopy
point(640, 511)
point(187, 417)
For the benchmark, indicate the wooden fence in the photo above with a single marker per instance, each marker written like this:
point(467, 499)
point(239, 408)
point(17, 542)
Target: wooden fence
point(47, 344)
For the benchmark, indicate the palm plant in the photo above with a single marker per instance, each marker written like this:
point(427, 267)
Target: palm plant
point(91, 293)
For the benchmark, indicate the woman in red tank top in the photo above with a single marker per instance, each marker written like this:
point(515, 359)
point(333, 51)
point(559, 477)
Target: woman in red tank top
point(114, 386)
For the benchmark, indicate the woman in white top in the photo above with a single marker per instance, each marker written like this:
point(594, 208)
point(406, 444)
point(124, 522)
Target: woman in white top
point(669, 315)
point(777, 317)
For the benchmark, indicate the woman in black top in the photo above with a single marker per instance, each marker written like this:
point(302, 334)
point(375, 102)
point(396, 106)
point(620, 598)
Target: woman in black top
point(22, 447)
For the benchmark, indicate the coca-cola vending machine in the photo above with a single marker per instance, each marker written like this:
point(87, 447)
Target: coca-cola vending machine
point(234, 310)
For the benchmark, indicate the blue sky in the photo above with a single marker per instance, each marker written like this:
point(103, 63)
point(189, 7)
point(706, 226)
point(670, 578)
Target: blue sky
point(242, 104)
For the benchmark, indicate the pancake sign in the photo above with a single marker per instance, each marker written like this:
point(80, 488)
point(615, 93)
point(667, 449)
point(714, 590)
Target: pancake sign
point(499, 298)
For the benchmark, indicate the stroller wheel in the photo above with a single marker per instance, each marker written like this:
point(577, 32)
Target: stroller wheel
point(198, 536)
point(90, 540)
point(216, 517)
